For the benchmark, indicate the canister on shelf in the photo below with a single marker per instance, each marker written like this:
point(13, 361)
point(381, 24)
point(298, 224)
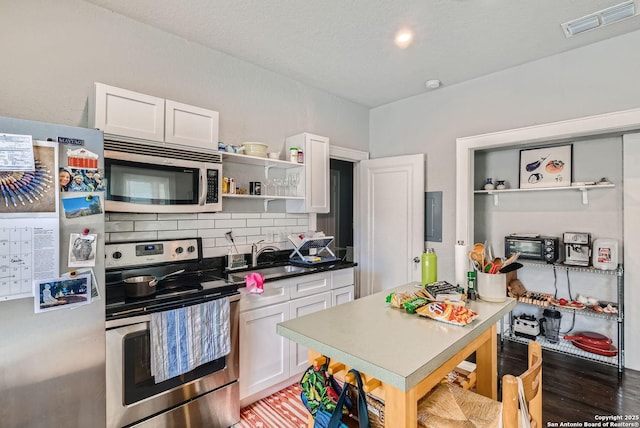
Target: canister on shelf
point(232, 185)
point(225, 185)
point(300, 156)
point(293, 154)
point(255, 188)
point(605, 254)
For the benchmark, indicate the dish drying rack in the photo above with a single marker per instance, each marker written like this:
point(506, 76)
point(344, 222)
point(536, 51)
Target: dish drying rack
point(317, 245)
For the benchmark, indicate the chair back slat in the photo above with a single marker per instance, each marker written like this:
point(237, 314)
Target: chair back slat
point(532, 383)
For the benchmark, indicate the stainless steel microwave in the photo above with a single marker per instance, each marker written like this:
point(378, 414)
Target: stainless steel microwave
point(161, 178)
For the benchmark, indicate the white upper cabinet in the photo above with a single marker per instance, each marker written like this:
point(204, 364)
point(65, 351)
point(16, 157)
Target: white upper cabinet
point(316, 162)
point(189, 125)
point(122, 112)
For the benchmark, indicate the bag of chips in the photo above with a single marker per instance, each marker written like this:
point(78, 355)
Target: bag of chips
point(447, 312)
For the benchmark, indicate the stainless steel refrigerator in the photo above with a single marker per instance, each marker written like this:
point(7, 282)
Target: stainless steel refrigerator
point(52, 337)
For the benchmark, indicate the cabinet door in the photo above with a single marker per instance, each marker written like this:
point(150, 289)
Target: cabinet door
point(264, 355)
point(299, 359)
point(342, 295)
point(317, 168)
point(119, 111)
point(274, 292)
point(342, 278)
point(316, 176)
point(191, 126)
point(307, 285)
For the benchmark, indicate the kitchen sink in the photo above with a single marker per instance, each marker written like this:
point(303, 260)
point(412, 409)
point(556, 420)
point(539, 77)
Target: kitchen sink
point(272, 272)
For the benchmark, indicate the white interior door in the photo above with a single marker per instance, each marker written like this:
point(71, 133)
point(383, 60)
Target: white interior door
point(392, 221)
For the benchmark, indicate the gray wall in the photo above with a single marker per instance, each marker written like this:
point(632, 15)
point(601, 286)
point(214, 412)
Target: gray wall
point(596, 79)
point(53, 52)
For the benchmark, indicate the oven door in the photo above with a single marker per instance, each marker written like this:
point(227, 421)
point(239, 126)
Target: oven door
point(133, 395)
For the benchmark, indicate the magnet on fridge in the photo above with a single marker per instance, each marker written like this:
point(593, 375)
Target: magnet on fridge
point(82, 249)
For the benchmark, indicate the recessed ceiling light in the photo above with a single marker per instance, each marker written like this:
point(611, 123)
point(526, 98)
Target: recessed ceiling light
point(598, 19)
point(404, 38)
point(432, 84)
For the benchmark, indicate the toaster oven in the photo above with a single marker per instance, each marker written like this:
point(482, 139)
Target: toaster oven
point(533, 247)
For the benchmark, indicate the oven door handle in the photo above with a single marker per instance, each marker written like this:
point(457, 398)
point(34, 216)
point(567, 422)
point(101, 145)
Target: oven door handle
point(123, 322)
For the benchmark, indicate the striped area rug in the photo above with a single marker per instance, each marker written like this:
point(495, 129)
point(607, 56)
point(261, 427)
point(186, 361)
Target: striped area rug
point(284, 409)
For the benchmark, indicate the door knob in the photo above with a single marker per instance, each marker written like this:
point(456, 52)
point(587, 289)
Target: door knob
point(416, 259)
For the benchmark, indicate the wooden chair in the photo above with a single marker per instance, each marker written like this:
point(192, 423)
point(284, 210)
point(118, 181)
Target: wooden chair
point(451, 406)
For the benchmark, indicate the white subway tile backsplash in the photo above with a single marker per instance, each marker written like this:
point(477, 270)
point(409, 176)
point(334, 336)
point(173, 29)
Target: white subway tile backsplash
point(177, 234)
point(214, 216)
point(178, 216)
point(245, 231)
point(239, 241)
point(214, 252)
point(211, 227)
point(274, 215)
point(212, 233)
point(196, 224)
point(220, 224)
point(285, 222)
point(133, 236)
point(118, 226)
point(245, 215)
point(131, 216)
point(260, 222)
point(142, 226)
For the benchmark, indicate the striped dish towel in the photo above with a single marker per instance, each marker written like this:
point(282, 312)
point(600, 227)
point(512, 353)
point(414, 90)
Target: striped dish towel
point(185, 338)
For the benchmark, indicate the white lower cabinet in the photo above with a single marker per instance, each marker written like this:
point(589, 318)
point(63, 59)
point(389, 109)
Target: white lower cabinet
point(264, 355)
point(267, 358)
point(299, 359)
point(342, 295)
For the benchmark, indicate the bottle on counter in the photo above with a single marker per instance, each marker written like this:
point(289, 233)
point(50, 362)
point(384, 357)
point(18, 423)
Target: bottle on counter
point(471, 285)
point(429, 266)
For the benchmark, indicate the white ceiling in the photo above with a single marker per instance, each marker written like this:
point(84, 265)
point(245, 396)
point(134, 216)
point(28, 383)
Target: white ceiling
point(346, 47)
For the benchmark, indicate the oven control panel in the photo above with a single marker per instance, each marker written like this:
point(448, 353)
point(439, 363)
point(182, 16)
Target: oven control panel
point(131, 254)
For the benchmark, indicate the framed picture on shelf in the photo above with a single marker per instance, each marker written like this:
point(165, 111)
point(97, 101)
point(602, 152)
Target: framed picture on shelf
point(546, 167)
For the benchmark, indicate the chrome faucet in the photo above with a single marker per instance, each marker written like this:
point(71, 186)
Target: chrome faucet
point(255, 253)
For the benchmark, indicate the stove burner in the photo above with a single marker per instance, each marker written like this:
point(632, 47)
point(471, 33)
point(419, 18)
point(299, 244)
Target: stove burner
point(201, 280)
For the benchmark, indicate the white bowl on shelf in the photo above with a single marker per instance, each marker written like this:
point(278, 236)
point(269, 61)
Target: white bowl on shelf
point(255, 149)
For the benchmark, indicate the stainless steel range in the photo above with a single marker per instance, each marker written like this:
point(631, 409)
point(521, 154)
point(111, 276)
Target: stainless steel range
point(207, 396)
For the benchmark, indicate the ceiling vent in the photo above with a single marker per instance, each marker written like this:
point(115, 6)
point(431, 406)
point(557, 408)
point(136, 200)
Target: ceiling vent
point(598, 19)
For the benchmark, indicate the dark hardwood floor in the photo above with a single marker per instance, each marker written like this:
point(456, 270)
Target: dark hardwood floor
point(576, 390)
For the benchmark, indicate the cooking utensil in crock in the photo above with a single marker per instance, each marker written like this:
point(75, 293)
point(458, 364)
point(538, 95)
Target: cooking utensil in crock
point(510, 267)
point(144, 285)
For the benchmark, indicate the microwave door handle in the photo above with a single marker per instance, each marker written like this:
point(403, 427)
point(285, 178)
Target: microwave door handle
point(203, 188)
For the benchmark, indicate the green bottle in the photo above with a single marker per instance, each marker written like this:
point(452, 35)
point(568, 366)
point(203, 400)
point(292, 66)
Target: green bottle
point(429, 266)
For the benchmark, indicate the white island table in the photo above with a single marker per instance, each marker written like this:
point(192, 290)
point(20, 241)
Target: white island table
point(407, 353)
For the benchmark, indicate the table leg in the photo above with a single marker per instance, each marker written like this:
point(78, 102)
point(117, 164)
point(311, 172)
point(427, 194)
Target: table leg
point(401, 408)
point(487, 366)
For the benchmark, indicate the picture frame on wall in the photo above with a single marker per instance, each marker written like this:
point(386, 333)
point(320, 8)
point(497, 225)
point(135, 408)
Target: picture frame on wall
point(546, 167)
